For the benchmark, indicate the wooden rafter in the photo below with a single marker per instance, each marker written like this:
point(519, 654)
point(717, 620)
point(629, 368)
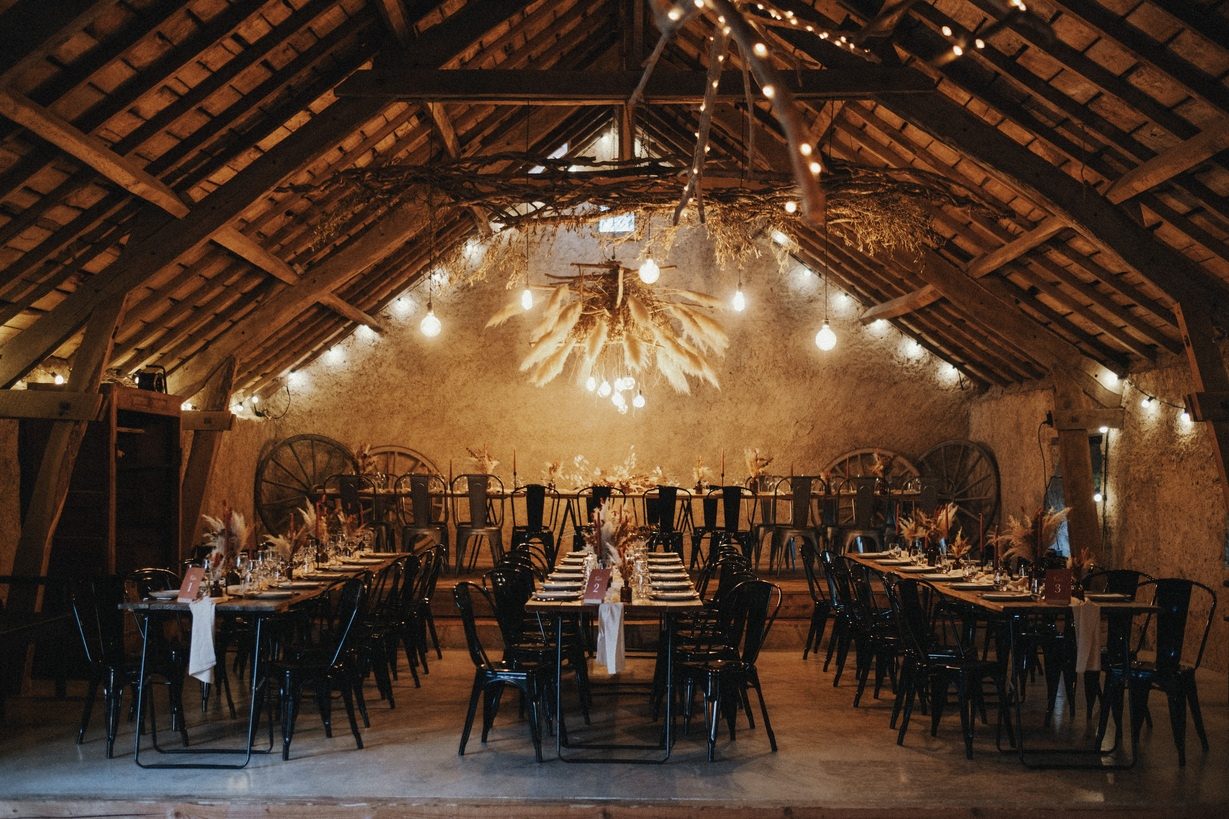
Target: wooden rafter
point(349, 312)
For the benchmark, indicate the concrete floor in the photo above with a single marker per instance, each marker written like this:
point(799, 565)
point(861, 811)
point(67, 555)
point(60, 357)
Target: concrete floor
point(832, 756)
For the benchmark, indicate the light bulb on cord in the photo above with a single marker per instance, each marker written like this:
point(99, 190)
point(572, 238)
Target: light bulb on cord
point(591, 384)
point(526, 299)
point(430, 325)
point(638, 402)
point(825, 339)
point(604, 389)
point(58, 379)
point(650, 272)
point(739, 302)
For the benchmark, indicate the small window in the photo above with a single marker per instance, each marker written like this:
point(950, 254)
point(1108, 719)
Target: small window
point(620, 223)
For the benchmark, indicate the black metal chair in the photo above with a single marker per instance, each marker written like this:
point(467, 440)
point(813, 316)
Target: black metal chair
point(876, 636)
point(727, 669)
point(821, 606)
point(588, 500)
point(1117, 627)
point(483, 497)
point(1175, 599)
point(433, 561)
point(326, 664)
point(100, 627)
point(804, 523)
point(490, 678)
point(836, 575)
point(931, 664)
point(418, 516)
point(360, 499)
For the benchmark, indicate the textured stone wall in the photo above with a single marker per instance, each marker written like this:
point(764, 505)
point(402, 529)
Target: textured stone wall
point(778, 392)
point(1164, 509)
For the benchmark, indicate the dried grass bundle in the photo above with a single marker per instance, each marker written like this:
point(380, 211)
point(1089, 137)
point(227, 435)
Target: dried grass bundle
point(1029, 538)
point(613, 317)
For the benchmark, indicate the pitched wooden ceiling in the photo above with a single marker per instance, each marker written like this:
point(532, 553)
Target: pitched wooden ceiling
point(167, 150)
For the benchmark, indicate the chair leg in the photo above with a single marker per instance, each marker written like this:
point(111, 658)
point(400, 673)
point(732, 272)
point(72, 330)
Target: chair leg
point(1191, 693)
point(324, 702)
point(348, 700)
point(1177, 720)
point(88, 710)
point(712, 694)
point(910, 691)
point(1092, 690)
point(1139, 704)
point(772, 737)
point(474, 694)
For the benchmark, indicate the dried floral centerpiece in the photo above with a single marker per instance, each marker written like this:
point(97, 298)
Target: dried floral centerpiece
point(228, 535)
point(701, 475)
point(614, 322)
point(757, 464)
point(1031, 539)
point(482, 459)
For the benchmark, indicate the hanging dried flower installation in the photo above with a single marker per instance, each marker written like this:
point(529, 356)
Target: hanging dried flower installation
point(611, 321)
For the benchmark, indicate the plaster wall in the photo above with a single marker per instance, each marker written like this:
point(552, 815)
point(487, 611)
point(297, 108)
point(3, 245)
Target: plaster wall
point(778, 392)
point(1164, 509)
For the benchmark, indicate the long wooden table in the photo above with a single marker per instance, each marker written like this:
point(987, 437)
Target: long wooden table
point(259, 610)
point(1013, 614)
point(665, 611)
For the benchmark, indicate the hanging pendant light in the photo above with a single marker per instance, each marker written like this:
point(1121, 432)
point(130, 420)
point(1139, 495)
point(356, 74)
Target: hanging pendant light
point(650, 271)
point(526, 294)
point(638, 402)
point(430, 325)
point(526, 299)
point(825, 339)
point(739, 302)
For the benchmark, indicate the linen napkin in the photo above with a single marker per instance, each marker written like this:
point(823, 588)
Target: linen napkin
point(1087, 631)
point(610, 637)
point(201, 656)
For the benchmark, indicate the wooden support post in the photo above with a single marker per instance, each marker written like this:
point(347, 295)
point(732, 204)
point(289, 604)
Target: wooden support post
point(1075, 460)
point(201, 456)
point(42, 515)
point(1208, 375)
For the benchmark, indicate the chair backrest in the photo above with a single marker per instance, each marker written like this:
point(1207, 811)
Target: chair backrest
point(350, 604)
point(350, 490)
point(663, 510)
point(864, 502)
point(431, 563)
point(511, 587)
point(100, 625)
point(463, 593)
point(534, 495)
point(809, 559)
point(1115, 581)
point(748, 612)
point(484, 497)
point(914, 604)
point(423, 506)
point(1174, 599)
point(140, 582)
point(838, 585)
point(804, 511)
point(594, 496)
point(736, 501)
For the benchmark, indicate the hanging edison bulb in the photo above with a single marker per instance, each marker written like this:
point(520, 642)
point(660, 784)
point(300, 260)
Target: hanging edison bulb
point(604, 389)
point(739, 302)
point(526, 299)
point(650, 272)
point(591, 384)
point(430, 325)
point(825, 339)
point(638, 402)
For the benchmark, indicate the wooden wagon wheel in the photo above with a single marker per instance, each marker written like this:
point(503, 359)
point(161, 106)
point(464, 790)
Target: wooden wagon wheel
point(393, 461)
point(293, 472)
point(964, 473)
point(861, 462)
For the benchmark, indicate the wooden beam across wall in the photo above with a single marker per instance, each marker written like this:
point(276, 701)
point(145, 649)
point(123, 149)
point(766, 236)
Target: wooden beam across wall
point(577, 88)
point(348, 311)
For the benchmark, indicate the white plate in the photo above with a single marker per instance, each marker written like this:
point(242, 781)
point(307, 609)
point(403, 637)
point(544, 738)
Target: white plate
point(941, 577)
point(672, 595)
point(891, 562)
point(556, 595)
point(973, 586)
point(677, 584)
point(668, 575)
point(915, 569)
point(1106, 597)
point(1006, 595)
point(567, 584)
point(275, 595)
point(300, 584)
point(167, 594)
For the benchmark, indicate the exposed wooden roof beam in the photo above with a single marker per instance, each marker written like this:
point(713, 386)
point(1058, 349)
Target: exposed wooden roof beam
point(575, 88)
point(1156, 171)
point(129, 175)
point(167, 244)
point(397, 18)
point(30, 34)
point(348, 311)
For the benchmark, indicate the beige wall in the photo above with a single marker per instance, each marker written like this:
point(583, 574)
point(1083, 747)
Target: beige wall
point(1164, 509)
point(778, 392)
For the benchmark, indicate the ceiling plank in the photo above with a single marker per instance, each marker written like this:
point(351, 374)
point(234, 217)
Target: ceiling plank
point(167, 244)
point(575, 88)
point(251, 251)
point(901, 305)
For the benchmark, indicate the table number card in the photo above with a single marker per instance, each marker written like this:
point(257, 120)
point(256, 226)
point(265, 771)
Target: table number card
point(595, 589)
point(1058, 586)
point(192, 580)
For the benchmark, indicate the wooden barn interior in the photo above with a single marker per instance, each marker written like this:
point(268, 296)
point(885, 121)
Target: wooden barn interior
point(261, 260)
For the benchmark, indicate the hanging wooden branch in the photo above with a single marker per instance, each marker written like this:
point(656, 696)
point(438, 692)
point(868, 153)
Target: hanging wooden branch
point(695, 180)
